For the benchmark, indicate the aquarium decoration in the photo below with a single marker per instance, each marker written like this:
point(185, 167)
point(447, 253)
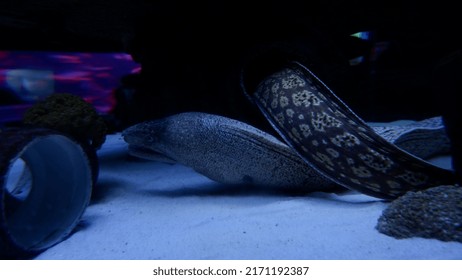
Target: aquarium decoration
point(46, 184)
point(48, 169)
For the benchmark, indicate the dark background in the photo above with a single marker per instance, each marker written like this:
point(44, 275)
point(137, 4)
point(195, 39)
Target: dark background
point(192, 52)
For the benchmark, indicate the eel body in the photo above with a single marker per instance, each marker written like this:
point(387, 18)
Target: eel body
point(224, 150)
point(325, 143)
point(329, 136)
point(232, 152)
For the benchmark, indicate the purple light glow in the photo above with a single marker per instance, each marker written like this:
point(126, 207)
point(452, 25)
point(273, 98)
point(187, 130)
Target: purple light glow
point(27, 77)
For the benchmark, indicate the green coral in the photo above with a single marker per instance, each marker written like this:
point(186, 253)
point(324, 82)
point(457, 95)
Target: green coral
point(69, 114)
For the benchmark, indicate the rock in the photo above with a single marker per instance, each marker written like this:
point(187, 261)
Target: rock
point(432, 213)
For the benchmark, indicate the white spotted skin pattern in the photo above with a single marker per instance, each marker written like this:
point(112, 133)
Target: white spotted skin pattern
point(341, 146)
point(328, 144)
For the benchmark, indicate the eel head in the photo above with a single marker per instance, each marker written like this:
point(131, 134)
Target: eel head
point(147, 140)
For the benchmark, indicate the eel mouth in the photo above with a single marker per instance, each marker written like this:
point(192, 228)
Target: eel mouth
point(149, 154)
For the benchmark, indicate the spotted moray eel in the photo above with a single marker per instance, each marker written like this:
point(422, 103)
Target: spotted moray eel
point(224, 150)
point(326, 144)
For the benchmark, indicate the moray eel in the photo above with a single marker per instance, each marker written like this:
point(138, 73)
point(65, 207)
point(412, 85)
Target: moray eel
point(329, 136)
point(224, 150)
point(232, 152)
point(325, 143)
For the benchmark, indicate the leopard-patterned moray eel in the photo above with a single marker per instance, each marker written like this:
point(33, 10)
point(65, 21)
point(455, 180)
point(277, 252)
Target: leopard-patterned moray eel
point(327, 143)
